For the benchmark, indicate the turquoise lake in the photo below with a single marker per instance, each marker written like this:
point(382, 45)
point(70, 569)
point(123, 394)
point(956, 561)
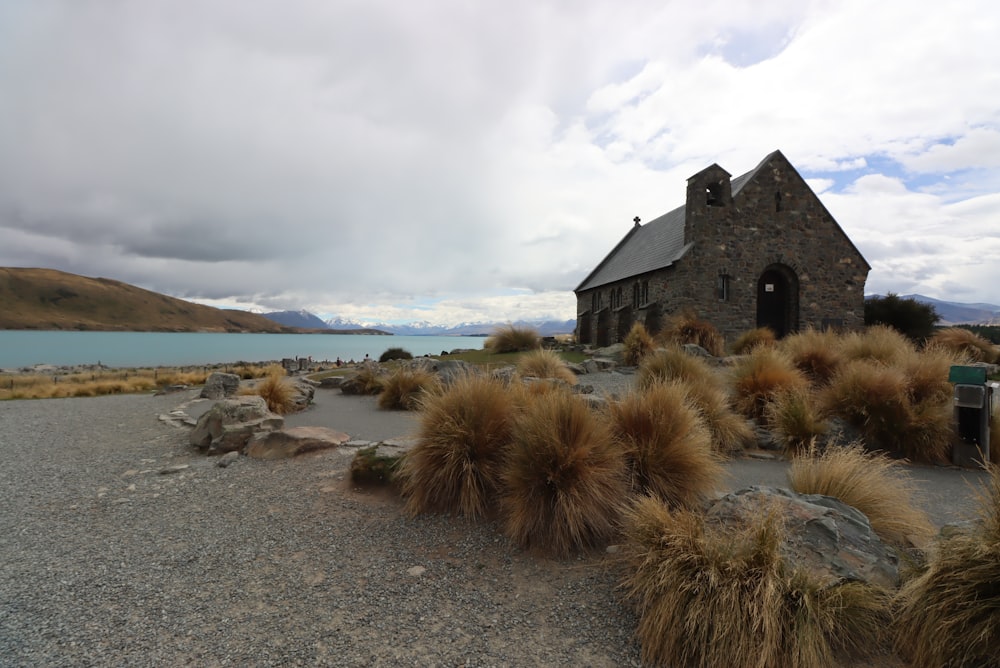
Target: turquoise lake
point(150, 349)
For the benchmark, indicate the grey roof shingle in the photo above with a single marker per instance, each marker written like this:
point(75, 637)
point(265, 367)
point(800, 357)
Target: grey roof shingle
point(655, 245)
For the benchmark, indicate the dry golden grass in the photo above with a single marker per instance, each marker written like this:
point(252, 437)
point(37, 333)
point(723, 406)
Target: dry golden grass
point(667, 444)
point(878, 400)
point(404, 388)
point(879, 343)
point(965, 344)
point(995, 433)
point(564, 478)
point(711, 595)
point(949, 615)
point(512, 339)
point(672, 363)
point(638, 344)
point(368, 379)
point(927, 375)
point(760, 377)
point(869, 482)
point(815, 353)
point(456, 465)
point(730, 431)
point(276, 390)
point(795, 420)
point(545, 364)
point(747, 341)
point(687, 327)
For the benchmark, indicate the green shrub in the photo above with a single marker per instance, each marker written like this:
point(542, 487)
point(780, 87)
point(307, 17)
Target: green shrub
point(667, 445)
point(950, 614)
point(909, 317)
point(564, 479)
point(638, 344)
point(456, 465)
point(717, 595)
point(395, 354)
point(512, 339)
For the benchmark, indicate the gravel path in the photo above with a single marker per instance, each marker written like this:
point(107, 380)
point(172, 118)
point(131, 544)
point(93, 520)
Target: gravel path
point(104, 560)
point(119, 545)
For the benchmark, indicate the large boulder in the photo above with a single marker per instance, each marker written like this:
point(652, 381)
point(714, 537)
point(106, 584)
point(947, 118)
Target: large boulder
point(286, 443)
point(220, 385)
point(825, 536)
point(230, 423)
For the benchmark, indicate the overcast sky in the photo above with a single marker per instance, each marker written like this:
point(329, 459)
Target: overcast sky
point(464, 160)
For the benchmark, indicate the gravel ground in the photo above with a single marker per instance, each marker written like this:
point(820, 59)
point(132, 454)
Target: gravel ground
point(107, 560)
point(119, 545)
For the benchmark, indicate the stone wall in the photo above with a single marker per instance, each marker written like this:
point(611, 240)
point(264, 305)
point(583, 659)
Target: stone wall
point(740, 237)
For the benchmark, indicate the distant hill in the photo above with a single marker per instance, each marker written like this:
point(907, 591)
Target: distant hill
point(48, 299)
point(303, 319)
point(957, 313)
point(313, 323)
point(543, 327)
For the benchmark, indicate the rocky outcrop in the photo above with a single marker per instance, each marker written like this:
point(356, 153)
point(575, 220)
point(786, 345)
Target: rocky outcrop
point(220, 385)
point(285, 443)
point(827, 537)
point(230, 423)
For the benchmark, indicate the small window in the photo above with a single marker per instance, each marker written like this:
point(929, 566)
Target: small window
point(777, 201)
point(713, 194)
point(722, 287)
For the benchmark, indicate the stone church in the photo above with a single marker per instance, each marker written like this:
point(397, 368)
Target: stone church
point(752, 251)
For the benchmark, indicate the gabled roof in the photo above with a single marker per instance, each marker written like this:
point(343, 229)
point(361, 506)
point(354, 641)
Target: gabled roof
point(655, 245)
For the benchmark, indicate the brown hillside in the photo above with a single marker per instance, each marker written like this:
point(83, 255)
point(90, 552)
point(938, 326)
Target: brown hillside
point(50, 299)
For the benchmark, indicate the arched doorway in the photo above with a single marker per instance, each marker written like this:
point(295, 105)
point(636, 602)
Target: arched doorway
point(778, 300)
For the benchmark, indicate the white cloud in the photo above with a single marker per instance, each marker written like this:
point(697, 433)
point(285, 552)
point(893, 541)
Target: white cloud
point(445, 160)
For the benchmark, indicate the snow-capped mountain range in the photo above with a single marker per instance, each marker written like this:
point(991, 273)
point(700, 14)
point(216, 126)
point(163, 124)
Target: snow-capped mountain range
point(311, 321)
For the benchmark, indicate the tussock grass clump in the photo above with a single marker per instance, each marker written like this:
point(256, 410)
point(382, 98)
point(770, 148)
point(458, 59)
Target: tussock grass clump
point(968, 345)
point(564, 477)
point(794, 419)
point(545, 364)
point(404, 388)
point(879, 343)
point(638, 344)
point(368, 380)
point(950, 614)
point(395, 354)
point(706, 391)
point(730, 431)
point(747, 341)
point(995, 433)
point(456, 465)
point(907, 414)
point(667, 445)
point(871, 483)
point(715, 595)
point(672, 363)
point(815, 353)
point(758, 378)
point(276, 391)
point(512, 339)
point(927, 375)
point(686, 327)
